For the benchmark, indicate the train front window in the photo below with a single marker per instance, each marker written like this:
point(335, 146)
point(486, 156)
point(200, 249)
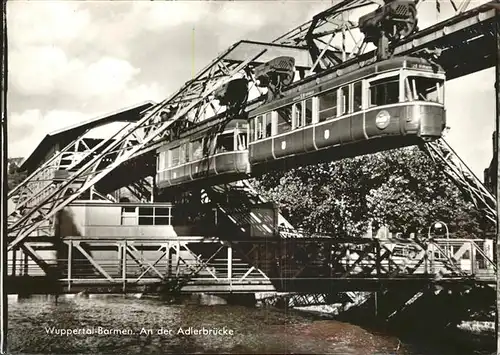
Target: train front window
point(225, 143)
point(384, 91)
point(418, 88)
point(241, 140)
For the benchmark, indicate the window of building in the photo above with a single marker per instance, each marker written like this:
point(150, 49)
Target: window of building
point(328, 105)
point(162, 216)
point(384, 91)
point(357, 97)
point(155, 216)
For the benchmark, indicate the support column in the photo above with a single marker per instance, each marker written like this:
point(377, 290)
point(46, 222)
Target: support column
point(70, 257)
point(124, 266)
point(14, 261)
point(3, 194)
point(168, 258)
point(229, 264)
point(497, 93)
point(177, 258)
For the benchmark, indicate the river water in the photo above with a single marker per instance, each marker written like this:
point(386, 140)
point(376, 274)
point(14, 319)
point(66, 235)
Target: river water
point(118, 325)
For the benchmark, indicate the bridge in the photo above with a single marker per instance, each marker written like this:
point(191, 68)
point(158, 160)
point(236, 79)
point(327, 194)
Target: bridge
point(68, 231)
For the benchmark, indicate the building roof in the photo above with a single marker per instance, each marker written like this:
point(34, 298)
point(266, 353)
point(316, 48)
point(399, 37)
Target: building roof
point(67, 135)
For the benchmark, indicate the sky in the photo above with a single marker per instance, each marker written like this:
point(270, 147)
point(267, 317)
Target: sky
point(72, 60)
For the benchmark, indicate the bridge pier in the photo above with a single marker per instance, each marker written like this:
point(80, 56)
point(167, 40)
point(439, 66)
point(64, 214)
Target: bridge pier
point(241, 299)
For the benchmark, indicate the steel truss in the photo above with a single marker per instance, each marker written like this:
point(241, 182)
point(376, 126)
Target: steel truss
point(91, 166)
point(203, 264)
point(332, 38)
point(472, 188)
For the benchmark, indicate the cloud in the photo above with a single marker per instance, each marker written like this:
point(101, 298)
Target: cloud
point(160, 16)
point(27, 129)
point(47, 70)
point(31, 22)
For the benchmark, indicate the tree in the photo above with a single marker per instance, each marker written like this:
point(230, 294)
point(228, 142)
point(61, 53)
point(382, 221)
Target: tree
point(402, 189)
point(15, 176)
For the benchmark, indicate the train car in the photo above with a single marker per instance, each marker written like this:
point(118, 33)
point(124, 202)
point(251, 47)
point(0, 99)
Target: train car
point(204, 154)
point(389, 104)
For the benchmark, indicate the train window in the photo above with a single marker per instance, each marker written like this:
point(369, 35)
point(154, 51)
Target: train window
point(259, 129)
point(297, 115)
point(384, 92)
point(267, 124)
point(423, 89)
point(284, 120)
point(308, 111)
point(197, 149)
point(241, 140)
point(161, 161)
point(357, 97)
point(328, 105)
point(225, 143)
point(251, 131)
point(182, 154)
point(175, 153)
point(264, 126)
point(344, 100)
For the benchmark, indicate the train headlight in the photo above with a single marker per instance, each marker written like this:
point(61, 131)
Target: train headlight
point(383, 119)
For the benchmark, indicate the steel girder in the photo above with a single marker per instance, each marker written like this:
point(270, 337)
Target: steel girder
point(203, 264)
point(468, 183)
point(334, 41)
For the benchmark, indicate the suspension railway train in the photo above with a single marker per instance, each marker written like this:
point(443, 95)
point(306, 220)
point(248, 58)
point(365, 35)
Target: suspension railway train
point(389, 104)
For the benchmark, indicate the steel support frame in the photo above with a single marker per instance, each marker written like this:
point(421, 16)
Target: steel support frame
point(124, 145)
point(460, 174)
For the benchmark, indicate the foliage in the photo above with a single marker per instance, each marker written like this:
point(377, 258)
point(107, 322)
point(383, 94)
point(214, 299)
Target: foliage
point(15, 176)
point(402, 189)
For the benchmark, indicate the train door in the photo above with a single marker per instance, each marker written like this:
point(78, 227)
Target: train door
point(341, 128)
point(308, 131)
point(262, 148)
point(241, 162)
point(357, 118)
point(295, 139)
